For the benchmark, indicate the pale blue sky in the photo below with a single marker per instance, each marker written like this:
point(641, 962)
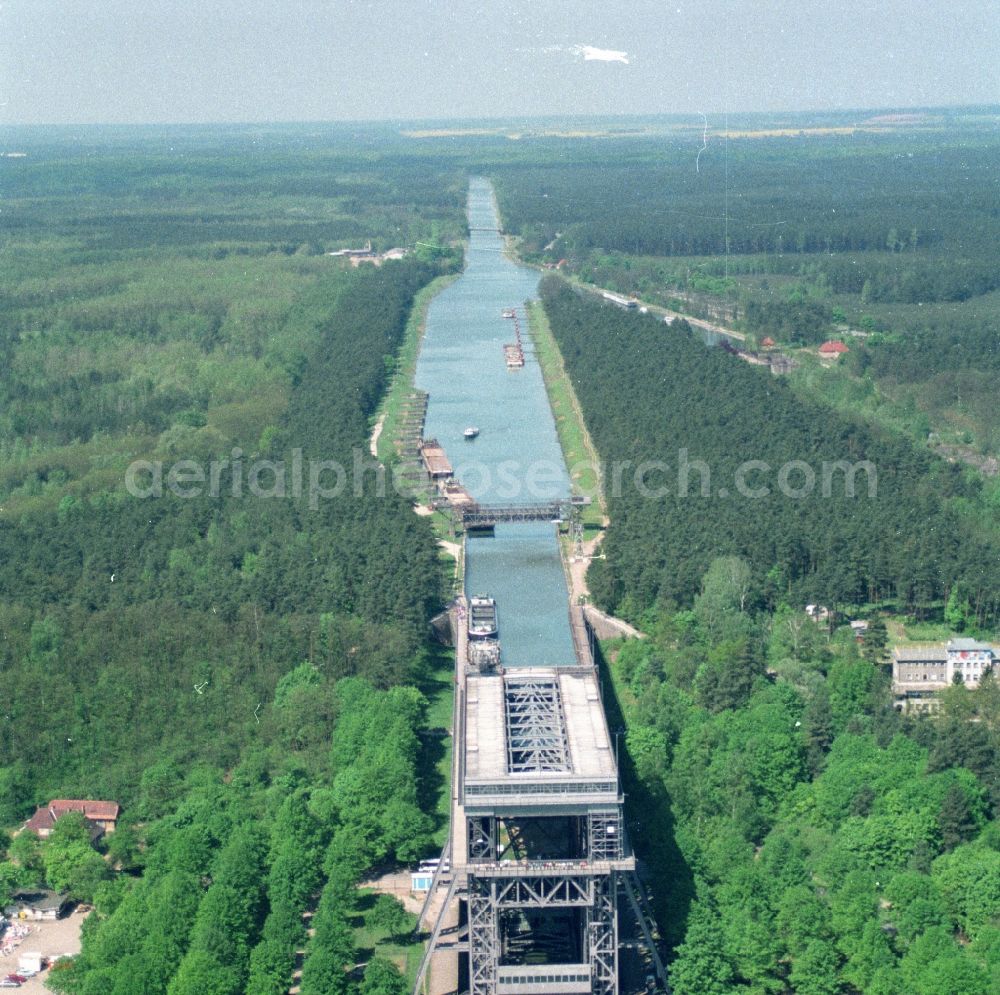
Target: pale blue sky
point(69, 61)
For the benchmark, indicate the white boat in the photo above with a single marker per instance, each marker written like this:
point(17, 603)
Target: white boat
point(471, 432)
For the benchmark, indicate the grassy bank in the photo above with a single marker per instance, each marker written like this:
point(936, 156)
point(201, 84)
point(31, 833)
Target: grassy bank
point(578, 450)
point(857, 397)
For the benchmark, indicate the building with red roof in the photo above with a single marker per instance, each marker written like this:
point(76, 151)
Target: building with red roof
point(833, 349)
point(103, 815)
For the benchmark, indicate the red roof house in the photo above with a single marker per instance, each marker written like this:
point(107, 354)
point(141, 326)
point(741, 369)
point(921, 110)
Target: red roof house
point(104, 815)
point(833, 349)
point(767, 342)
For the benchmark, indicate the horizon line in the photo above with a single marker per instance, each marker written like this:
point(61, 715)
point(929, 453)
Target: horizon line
point(502, 119)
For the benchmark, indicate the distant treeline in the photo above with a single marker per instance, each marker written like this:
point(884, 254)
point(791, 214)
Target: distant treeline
point(800, 239)
point(760, 197)
point(930, 349)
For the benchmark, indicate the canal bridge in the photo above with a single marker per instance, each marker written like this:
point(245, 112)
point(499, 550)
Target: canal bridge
point(486, 516)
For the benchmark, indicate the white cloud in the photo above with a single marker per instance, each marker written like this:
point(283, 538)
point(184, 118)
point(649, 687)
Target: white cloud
point(592, 54)
point(589, 53)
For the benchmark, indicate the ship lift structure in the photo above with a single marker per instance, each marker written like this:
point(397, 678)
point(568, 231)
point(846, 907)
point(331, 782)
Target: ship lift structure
point(536, 891)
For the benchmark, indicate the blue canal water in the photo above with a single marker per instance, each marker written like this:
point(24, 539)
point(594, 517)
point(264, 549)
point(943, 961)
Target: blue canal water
point(516, 457)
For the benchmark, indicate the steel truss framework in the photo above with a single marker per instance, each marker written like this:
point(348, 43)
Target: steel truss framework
point(484, 937)
point(597, 895)
point(645, 919)
point(488, 515)
point(535, 726)
point(545, 891)
point(482, 836)
point(602, 936)
point(601, 837)
point(604, 835)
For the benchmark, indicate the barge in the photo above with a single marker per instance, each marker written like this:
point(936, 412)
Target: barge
point(483, 618)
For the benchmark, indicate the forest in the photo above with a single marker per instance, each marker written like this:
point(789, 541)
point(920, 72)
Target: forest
point(229, 866)
point(240, 588)
point(247, 676)
point(886, 239)
point(650, 393)
point(801, 835)
point(252, 678)
point(894, 194)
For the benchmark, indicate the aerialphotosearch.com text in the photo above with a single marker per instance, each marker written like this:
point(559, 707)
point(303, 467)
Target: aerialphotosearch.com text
point(318, 480)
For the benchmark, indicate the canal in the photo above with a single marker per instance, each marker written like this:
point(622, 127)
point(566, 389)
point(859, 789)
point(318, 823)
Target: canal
point(516, 457)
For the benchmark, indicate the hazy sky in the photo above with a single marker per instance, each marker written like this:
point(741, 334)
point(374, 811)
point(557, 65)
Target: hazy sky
point(298, 60)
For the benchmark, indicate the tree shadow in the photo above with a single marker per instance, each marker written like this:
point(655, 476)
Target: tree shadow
point(431, 782)
point(668, 879)
point(364, 902)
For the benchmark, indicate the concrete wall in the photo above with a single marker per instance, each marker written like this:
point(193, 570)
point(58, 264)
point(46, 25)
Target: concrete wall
point(443, 628)
point(606, 626)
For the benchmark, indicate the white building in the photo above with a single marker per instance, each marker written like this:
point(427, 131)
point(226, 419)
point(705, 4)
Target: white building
point(621, 301)
point(920, 670)
point(970, 659)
